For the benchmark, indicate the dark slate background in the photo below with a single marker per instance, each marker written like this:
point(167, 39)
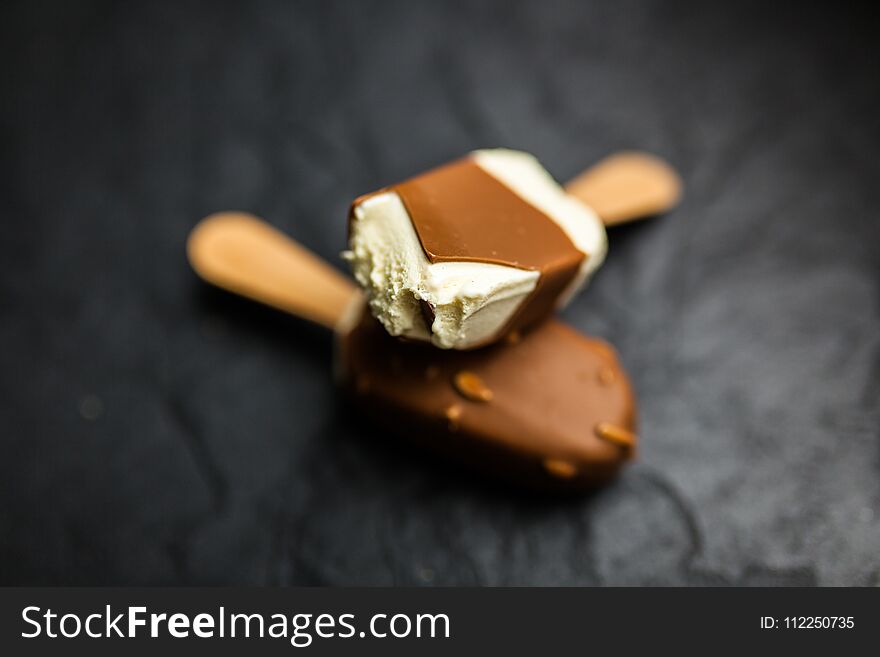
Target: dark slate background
point(153, 431)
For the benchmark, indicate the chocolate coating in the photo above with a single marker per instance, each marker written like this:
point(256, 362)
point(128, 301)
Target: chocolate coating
point(527, 411)
point(460, 212)
point(463, 213)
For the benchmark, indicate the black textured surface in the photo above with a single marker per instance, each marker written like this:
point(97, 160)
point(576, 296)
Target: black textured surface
point(155, 431)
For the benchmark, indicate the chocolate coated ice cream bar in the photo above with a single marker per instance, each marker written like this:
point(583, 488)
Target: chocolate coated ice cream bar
point(490, 244)
point(550, 408)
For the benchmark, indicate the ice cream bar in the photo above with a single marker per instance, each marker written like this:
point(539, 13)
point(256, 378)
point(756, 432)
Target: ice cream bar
point(549, 407)
point(552, 409)
point(472, 251)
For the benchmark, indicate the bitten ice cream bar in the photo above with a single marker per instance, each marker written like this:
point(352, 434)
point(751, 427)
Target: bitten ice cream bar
point(472, 251)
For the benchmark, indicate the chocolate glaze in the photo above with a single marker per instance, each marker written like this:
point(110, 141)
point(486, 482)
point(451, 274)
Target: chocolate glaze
point(539, 423)
point(460, 212)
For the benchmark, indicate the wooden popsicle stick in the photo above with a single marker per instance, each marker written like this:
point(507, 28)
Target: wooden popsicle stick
point(627, 186)
point(245, 255)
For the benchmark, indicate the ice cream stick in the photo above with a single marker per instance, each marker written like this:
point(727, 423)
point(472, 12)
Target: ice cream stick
point(242, 254)
point(245, 255)
point(627, 186)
